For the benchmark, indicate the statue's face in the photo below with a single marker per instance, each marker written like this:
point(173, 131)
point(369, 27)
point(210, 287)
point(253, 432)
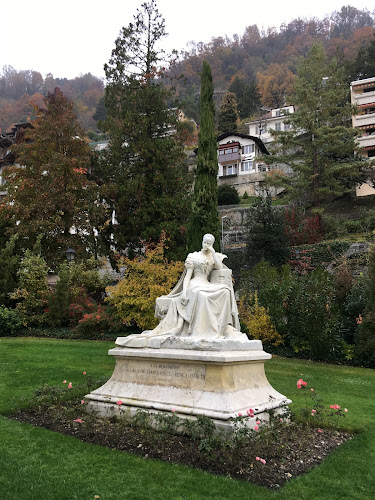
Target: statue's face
point(207, 243)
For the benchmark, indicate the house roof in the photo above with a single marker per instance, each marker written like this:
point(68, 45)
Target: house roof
point(258, 141)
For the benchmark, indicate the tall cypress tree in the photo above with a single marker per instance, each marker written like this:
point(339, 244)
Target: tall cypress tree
point(205, 215)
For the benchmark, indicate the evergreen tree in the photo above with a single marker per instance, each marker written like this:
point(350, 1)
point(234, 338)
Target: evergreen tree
point(248, 97)
point(52, 194)
point(10, 262)
point(205, 215)
point(267, 238)
point(228, 114)
point(145, 173)
point(320, 146)
point(364, 64)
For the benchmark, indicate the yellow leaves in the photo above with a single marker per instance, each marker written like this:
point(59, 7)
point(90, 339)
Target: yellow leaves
point(257, 320)
point(147, 278)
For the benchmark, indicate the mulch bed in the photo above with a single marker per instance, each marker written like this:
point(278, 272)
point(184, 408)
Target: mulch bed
point(290, 452)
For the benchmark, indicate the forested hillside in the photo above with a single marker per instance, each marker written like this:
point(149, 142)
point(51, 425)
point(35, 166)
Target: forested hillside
point(21, 90)
point(259, 66)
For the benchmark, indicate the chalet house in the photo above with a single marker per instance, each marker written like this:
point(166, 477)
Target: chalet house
point(362, 94)
point(238, 161)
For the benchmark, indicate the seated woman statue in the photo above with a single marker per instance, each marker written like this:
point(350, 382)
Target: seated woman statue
point(202, 304)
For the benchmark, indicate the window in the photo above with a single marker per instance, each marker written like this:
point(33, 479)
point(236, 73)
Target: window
point(278, 126)
point(247, 166)
point(287, 126)
point(231, 170)
point(248, 149)
point(371, 153)
point(224, 170)
point(221, 151)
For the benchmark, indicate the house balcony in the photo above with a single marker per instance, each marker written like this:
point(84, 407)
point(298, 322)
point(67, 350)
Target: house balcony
point(229, 158)
point(363, 99)
point(366, 141)
point(363, 120)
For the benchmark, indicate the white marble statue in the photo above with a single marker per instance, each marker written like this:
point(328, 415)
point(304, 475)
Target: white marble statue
point(201, 306)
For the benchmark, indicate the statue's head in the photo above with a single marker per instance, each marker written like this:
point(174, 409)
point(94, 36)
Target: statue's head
point(208, 240)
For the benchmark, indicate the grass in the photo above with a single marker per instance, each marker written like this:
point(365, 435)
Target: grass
point(37, 463)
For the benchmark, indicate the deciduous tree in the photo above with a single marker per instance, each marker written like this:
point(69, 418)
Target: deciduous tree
point(51, 193)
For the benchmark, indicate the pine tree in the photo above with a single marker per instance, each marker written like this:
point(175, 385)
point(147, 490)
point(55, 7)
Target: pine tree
point(145, 173)
point(205, 216)
point(267, 238)
point(51, 194)
point(228, 114)
point(320, 146)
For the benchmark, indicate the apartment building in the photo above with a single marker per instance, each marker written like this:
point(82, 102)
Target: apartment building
point(363, 96)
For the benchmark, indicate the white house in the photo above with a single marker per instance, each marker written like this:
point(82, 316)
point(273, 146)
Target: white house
point(274, 119)
point(239, 164)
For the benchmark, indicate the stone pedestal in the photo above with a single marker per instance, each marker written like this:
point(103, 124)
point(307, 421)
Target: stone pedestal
point(216, 383)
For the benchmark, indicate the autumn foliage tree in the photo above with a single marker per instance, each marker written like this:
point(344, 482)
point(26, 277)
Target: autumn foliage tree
point(275, 85)
point(50, 193)
point(146, 278)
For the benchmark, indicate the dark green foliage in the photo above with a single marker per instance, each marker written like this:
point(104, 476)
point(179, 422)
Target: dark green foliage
point(303, 309)
point(228, 114)
point(227, 195)
point(248, 97)
point(322, 156)
point(266, 238)
point(365, 337)
point(9, 264)
point(205, 216)
point(364, 65)
point(144, 171)
point(59, 300)
point(10, 321)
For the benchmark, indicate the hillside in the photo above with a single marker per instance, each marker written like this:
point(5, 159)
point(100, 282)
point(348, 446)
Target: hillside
point(258, 65)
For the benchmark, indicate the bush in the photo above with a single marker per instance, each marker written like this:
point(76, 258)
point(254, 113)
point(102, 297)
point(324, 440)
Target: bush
point(227, 195)
point(146, 278)
point(257, 320)
point(103, 320)
point(10, 321)
point(31, 296)
point(302, 228)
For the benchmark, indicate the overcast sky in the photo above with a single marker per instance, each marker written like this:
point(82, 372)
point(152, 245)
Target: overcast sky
point(72, 37)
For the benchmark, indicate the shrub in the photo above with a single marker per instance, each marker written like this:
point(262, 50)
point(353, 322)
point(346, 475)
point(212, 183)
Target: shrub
point(245, 195)
point(257, 320)
point(301, 228)
point(31, 296)
point(146, 278)
point(10, 321)
point(227, 195)
point(101, 321)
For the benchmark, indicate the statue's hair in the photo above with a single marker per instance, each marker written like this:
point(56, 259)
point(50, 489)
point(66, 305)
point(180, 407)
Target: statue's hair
point(209, 236)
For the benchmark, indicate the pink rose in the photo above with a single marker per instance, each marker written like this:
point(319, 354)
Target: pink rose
point(240, 414)
point(84, 373)
point(82, 401)
point(346, 410)
point(79, 420)
point(257, 458)
point(256, 428)
point(64, 381)
point(320, 430)
point(70, 385)
point(263, 461)
point(119, 402)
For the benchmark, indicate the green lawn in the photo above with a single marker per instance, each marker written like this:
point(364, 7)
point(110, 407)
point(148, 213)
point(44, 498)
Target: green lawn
point(41, 464)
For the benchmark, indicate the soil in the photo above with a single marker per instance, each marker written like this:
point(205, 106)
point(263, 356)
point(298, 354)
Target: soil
point(289, 450)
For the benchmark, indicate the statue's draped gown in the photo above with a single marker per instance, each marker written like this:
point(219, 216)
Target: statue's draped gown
point(210, 311)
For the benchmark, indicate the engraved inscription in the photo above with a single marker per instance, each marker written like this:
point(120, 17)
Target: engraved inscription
point(165, 372)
